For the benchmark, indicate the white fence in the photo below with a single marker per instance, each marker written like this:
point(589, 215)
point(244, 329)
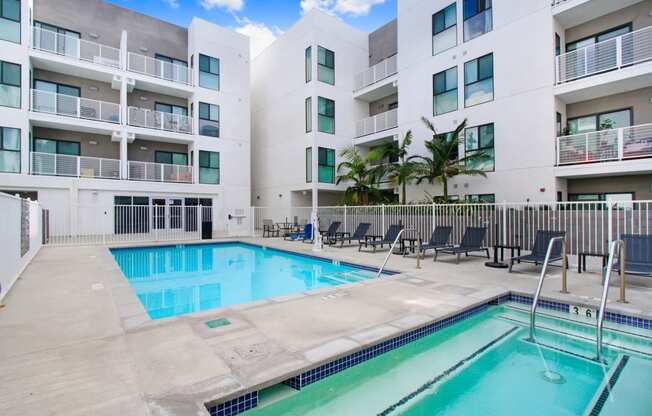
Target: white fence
point(142, 117)
point(628, 49)
point(605, 145)
point(53, 164)
point(370, 125)
point(71, 106)
point(159, 172)
point(20, 238)
point(378, 72)
point(160, 69)
point(73, 47)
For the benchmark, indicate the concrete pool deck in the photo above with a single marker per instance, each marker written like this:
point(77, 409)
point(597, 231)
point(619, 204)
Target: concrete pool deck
point(75, 340)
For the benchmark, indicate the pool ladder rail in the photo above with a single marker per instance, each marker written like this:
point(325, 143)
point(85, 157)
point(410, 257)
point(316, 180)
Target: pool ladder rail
point(391, 250)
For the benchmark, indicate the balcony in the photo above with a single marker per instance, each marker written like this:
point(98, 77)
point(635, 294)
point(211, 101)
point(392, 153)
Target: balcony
point(159, 69)
point(571, 13)
point(177, 123)
point(52, 164)
point(75, 48)
point(380, 77)
point(159, 172)
point(77, 107)
point(374, 124)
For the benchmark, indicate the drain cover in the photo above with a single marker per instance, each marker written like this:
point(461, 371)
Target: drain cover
point(216, 323)
point(553, 377)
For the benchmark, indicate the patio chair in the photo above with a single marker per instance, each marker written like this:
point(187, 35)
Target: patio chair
point(270, 229)
point(299, 233)
point(540, 248)
point(471, 242)
point(438, 239)
point(638, 254)
point(307, 234)
point(388, 238)
point(358, 235)
point(331, 231)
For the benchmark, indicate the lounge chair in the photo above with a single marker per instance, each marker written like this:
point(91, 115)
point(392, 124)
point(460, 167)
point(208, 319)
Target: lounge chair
point(331, 231)
point(638, 254)
point(389, 238)
point(438, 239)
point(471, 242)
point(307, 234)
point(540, 248)
point(358, 235)
point(270, 229)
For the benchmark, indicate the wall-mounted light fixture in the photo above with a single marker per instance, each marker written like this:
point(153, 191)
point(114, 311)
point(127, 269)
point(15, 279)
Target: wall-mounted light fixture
point(93, 35)
point(144, 49)
point(92, 142)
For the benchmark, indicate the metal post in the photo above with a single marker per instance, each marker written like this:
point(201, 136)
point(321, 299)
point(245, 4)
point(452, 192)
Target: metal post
point(418, 253)
point(564, 270)
point(619, 52)
point(610, 222)
point(622, 274)
point(345, 229)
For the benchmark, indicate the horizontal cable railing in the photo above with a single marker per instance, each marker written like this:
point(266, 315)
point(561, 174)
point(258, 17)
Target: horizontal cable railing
point(159, 172)
point(378, 72)
point(142, 117)
point(71, 106)
point(374, 124)
point(625, 50)
point(75, 48)
point(605, 145)
point(158, 68)
point(53, 164)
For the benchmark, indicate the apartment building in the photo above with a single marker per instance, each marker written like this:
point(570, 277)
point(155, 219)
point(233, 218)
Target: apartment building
point(104, 106)
point(556, 96)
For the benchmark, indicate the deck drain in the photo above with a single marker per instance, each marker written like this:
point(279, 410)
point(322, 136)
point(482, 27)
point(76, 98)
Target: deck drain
point(553, 377)
point(217, 323)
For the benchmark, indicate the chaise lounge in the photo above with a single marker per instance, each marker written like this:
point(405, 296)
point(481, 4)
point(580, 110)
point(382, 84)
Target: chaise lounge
point(358, 235)
point(439, 239)
point(388, 239)
point(638, 254)
point(471, 242)
point(540, 248)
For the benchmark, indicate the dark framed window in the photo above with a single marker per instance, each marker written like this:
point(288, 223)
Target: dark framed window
point(479, 80)
point(326, 115)
point(326, 65)
point(557, 44)
point(10, 84)
point(326, 165)
point(599, 37)
point(480, 139)
point(308, 60)
point(171, 158)
point(60, 147)
point(10, 20)
point(455, 154)
point(481, 198)
point(171, 108)
point(444, 29)
point(478, 18)
point(209, 72)
point(9, 150)
point(209, 119)
point(308, 113)
point(177, 70)
point(558, 123)
point(57, 39)
point(175, 61)
point(445, 91)
point(209, 167)
point(308, 164)
point(606, 120)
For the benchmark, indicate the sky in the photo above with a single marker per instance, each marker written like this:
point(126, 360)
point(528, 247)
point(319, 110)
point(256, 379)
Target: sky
point(264, 20)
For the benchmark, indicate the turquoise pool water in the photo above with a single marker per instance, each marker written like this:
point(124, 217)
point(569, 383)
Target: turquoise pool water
point(486, 366)
point(175, 280)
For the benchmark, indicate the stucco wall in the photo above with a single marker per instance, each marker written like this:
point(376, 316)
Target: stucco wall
point(638, 15)
point(95, 90)
point(135, 99)
point(640, 185)
point(145, 150)
point(383, 42)
point(94, 145)
point(638, 100)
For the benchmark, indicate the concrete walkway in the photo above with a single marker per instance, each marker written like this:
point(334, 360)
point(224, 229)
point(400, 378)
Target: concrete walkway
point(75, 340)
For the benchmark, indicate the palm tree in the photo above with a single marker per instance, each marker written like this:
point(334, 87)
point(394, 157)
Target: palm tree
point(444, 162)
point(400, 173)
point(364, 179)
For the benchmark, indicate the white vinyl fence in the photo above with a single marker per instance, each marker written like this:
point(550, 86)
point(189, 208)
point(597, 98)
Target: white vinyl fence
point(20, 238)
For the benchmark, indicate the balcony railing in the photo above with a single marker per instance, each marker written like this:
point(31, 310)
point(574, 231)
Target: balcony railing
point(71, 106)
point(75, 48)
point(378, 72)
point(379, 122)
point(605, 145)
point(160, 69)
point(159, 172)
point(141, 117)
point(625, 50)
point(75, 166)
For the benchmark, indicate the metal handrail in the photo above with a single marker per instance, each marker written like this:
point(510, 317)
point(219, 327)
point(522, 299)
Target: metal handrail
point(605, 292)
point(391, 249)
point(533, 309)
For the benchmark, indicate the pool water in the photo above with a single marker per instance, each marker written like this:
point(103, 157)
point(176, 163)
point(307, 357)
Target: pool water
point(486, 365)
point(176, 280)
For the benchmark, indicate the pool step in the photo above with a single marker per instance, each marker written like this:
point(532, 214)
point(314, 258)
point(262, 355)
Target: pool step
point(349, 276)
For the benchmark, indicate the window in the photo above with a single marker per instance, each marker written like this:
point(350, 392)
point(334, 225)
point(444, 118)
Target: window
point(308, 64)
point(600, 37)
point(308, 164)
point(171, 158)
point(557, 44)
point(57, 39)
point(9, 84)
point(597, 197)
point(209, 120)
point(481, 198)
point(326, 115)
point(480, 140)
point(10, 20)
point(455, 152)
point(61, 147)
point(444, 29)
point(308, 114)
point(209, 72)
point(209, 167)
point(177, 70)
point(479, 81)
point(600, 121)
point(445, 91)
point(9, 150)
point(326, 65)
point(478, 18)
point(558, 124)
point(326, 167)
point(53, 98)
point(171, 108)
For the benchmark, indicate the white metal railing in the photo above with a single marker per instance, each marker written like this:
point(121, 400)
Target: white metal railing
point(160, 69)
point(159, 172)
point(379, 122)
point(625, 50)
point(605, 145)
point(75, 48)
point(53, 164)
point(142, 117)
point(71, 106)
point(380, 71)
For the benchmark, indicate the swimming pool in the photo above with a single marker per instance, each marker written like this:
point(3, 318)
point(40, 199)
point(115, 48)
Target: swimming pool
point(485, 365)
point(176, 280)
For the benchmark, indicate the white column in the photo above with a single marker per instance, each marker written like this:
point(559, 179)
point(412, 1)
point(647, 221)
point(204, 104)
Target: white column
point(124, 168)
point(123, 50)
point(195, 164)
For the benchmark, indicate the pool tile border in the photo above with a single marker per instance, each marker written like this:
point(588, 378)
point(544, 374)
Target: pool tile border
point(235, 406)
